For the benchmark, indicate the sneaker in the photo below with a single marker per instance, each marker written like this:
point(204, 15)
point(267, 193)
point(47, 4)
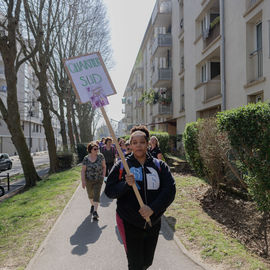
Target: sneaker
point(95, 215)
point(92, 209)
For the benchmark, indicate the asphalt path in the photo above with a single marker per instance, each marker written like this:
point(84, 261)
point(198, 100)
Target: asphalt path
point(78, 242)
point(40, 158)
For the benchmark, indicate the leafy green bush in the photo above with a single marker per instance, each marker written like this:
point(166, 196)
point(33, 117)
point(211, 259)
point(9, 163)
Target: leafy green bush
point(66, 160)
point(248, 131)
point(190, 141)
point(81, 151)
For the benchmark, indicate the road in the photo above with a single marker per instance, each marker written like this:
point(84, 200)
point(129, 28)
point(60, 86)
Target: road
point(40, 158)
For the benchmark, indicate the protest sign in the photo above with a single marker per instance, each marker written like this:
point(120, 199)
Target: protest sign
point(88, 73)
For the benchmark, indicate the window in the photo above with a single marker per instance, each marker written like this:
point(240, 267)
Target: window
point(204, 73)
point(214, 69)
point(259, 49)
point(256, 98)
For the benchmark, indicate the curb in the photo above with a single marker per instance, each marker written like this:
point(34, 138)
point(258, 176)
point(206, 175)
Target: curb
point(43, 244)
point(181, 246)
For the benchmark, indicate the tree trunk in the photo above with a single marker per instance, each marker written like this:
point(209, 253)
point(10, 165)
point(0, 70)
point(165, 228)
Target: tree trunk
point(47, 123)
point(69, 122)
point(12, 119)
point(75, 128)
point(63, 125)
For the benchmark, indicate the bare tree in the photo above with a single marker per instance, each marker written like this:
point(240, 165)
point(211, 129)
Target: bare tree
point(85, 31)
point(44, 13)
point(13, 60)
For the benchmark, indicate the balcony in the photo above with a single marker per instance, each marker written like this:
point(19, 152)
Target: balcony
point(162, 77)
point(210, 35)
point(212, 89)
point(162, 12)
point(182, 64)
point(162, 110)
point(138, 104)
point(162, 41)
point(256, 64)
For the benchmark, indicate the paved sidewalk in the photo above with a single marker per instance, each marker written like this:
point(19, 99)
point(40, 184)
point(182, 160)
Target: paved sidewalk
point(78, 242)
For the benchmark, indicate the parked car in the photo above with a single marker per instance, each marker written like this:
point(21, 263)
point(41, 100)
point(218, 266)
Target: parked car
point(5, 162)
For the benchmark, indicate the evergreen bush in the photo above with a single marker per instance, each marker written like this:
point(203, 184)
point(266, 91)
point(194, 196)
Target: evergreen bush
point(66, 160)
point(248, 130)
point(190, 142)
point(81, 151)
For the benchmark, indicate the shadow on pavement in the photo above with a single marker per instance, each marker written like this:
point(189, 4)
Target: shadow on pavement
point(87, 233)
point(168, 234)
point(118, 235)
point(104, 200)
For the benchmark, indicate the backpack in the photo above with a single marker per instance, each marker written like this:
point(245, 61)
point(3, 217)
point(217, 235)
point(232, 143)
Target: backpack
point(121, 169)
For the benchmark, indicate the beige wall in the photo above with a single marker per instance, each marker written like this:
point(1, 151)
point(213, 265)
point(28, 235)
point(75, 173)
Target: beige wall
point(204, 99)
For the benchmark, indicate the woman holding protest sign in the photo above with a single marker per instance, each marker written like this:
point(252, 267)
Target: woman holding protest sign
point(92, 175)
point(157, 189)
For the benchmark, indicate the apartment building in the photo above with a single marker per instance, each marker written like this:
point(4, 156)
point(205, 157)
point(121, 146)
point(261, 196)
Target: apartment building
point(30, 113)
point(204, 56)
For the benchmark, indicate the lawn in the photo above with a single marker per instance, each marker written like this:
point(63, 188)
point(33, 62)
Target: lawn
point(204, 236)
point(27, 218)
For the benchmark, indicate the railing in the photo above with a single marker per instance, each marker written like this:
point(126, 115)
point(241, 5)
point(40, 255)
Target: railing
point(162, 40)
point(162, 110)
point(181, 26)
point(162, 6)
point(212, 89)
point(257, 63)
point(138, 104)
point(182, 64)
point(162, 74)
point(212, 34)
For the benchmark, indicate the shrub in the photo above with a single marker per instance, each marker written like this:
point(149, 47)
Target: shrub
point(210, 154)
point(190, 141)
point(81, 151)
point(66, 160)
point(248, 131)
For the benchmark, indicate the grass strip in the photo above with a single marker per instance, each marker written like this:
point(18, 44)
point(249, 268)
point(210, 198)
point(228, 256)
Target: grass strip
point(27, 217)
point(203, 235)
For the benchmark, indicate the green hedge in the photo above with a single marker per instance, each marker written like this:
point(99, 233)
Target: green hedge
point(248, 130)
point(81, 151)
point(66, 160)
point(190, 142)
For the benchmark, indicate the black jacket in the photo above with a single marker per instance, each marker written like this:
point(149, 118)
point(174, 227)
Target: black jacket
point(156, 186)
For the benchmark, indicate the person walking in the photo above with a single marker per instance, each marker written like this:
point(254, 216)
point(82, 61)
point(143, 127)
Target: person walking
point(109, 154)
point(156, 186)
point(92, 175)
point(154, 148)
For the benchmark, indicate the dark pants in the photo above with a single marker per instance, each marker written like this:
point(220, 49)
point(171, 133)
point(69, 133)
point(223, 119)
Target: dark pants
point(108, 167)
point(140, 244)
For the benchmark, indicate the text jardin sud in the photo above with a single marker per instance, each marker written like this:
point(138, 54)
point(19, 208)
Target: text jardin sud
point(85, 65)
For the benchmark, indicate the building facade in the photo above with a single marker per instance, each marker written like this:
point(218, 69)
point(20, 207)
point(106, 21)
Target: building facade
point(200, 57)
point(30, 113)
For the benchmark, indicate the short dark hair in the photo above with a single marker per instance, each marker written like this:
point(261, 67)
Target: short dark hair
point(108, 139)
point(91, 145)
point(141, 128)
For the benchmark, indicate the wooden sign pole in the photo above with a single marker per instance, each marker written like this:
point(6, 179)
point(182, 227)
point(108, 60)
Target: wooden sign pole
point(136, 191)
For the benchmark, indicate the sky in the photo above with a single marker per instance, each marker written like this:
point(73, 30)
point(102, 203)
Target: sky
point(128, 21)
